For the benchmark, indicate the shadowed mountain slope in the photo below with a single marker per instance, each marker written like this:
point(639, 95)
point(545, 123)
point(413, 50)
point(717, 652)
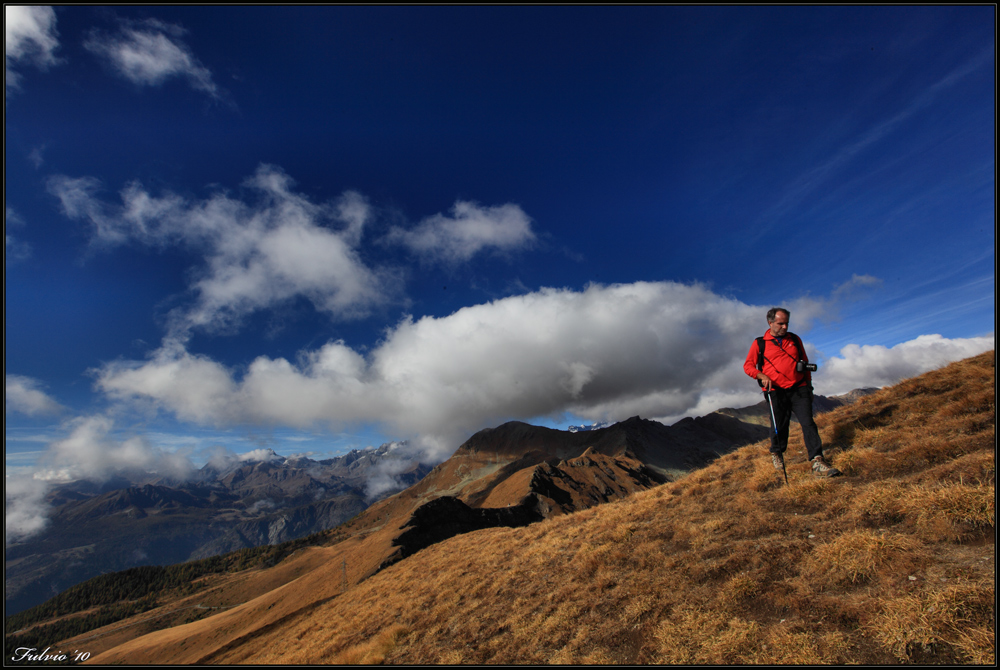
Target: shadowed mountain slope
point(533, 473)
point(893, 562)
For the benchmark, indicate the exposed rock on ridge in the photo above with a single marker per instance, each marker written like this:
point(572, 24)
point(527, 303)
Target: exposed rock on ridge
point(517, 473)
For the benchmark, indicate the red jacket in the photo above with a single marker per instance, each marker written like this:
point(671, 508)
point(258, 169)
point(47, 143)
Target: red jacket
point(779, 361)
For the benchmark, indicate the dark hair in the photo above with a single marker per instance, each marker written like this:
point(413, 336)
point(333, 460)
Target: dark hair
point(773, 312)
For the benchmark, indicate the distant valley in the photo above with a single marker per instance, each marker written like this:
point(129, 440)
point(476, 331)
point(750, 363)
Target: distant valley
point(148, 520)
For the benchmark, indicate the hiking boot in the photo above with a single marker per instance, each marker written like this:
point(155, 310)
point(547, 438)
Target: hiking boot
point(823, 469)
point(778, 461)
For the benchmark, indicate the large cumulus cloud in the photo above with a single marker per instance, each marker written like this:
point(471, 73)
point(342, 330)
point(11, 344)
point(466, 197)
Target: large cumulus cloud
point(604, 352)
point(660, 350)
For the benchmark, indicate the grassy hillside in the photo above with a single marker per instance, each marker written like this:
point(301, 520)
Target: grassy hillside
point(519, 473)
point(918, 499)
point(101, 602)
point(894, 562)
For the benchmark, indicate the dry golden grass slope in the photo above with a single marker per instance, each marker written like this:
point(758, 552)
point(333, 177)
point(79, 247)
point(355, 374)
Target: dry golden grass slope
point(895, 562)
point(523, 472)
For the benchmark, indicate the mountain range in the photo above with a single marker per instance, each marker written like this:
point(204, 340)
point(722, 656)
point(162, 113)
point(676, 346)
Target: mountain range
point(510, 476)
point(145, 519)
point(142, 519)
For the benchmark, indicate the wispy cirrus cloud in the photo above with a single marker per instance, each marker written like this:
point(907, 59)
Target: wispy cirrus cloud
point(30, 38)
point(799, 189)
point(151, 52)
point(14, 249)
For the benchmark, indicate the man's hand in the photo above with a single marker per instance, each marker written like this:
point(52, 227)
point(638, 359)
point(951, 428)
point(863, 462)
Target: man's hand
point(764, 380)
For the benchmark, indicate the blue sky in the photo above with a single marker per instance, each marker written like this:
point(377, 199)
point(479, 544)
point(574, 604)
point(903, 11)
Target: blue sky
point(320, 228)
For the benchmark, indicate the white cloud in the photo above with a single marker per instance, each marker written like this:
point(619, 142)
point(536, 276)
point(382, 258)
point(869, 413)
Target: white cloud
point(260, 455)
point(36, 156)
point(606, 352)
point(25, 509)
point(262, 252)
point(12, 218)
point(659, 350)
point(469, 230)
point(14, 249)
point(806, 309)
point(92, 452)
point(222, 458)
point(875, 365)
point(78, 197)
point(257, 254)
point(23, 395)
point(262, 507)
point(385, 475)
point(30, 38)
point(150, 53)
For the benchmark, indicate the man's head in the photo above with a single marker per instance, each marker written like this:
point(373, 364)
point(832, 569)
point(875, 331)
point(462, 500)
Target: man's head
point(777, 319)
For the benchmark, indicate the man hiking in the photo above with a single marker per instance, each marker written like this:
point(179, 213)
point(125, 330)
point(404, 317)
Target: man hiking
point(779, 363)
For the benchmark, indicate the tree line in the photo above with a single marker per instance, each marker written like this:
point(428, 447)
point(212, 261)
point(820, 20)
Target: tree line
point(119, 595)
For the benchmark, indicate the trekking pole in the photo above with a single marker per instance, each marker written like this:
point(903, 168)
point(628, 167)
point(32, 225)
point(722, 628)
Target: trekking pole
point(774, 424)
